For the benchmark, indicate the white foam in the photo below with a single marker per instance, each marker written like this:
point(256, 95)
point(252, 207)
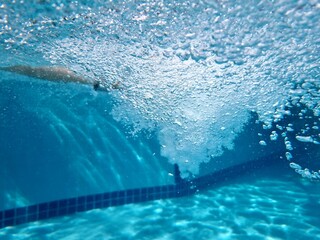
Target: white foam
point(195, 113)
point(195, 82)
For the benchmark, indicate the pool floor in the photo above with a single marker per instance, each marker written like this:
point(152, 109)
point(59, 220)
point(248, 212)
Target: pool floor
point(272, 204)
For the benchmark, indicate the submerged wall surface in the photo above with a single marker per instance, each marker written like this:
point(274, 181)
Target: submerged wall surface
point(63, 143)
point(59, 141)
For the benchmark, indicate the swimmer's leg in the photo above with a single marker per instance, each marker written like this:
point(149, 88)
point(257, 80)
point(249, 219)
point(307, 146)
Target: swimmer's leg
point(58, 74)
point(49, 73)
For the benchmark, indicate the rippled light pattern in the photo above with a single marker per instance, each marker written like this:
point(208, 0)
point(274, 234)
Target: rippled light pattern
point(271, 207)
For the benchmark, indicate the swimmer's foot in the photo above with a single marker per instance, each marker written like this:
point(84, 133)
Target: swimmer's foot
point(98, 86)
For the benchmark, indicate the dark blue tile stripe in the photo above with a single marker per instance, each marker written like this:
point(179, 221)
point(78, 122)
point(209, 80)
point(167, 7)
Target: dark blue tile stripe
point(181, 188)
point(12, 217)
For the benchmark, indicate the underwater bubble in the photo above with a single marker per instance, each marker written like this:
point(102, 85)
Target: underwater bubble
point(295, 165)
point(288, 145)
point(316, 174)
point(306, 173)
point(304, 138)
point(273, 136)
point(289, 156)
point(263, 143)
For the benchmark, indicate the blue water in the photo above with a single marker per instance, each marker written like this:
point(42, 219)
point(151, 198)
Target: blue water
point(270, 205)
point(203, 84)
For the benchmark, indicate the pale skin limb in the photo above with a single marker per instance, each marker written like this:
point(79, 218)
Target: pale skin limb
point(57, 74)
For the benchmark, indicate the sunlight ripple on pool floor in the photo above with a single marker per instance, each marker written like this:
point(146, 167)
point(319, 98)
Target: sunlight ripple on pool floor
point(250, 209)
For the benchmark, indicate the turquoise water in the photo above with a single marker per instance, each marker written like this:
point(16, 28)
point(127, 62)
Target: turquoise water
point(205, 85)
point(272, 205)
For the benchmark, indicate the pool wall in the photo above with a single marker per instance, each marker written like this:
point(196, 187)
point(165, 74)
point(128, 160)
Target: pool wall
point(65, 144)
point(181, 188)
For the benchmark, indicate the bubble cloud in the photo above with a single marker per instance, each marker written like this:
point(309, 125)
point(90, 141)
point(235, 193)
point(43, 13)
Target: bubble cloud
point(191, 71)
